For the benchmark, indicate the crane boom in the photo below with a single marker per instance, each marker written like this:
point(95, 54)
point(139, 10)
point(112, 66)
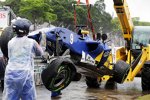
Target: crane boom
point(89, 17)
point(123, 14)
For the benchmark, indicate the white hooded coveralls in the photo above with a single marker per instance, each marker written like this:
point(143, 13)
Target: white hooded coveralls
point(19, 74)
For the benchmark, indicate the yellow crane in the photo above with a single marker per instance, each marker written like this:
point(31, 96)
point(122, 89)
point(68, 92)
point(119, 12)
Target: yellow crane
point(138, 45)
point(123, 14)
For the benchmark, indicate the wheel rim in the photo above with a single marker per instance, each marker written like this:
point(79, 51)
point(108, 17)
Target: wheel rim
point(62, 78)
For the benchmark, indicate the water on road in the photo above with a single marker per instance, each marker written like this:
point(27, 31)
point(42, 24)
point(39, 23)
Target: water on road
point(79, 91)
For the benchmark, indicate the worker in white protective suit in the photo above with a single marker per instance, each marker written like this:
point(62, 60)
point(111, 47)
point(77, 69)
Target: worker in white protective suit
point(19, 75)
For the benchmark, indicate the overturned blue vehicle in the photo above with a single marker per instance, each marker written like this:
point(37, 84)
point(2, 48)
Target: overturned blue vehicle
point(85, 57)
point(72, 55)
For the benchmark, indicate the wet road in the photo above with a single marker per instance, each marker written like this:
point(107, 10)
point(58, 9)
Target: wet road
point(79, 91)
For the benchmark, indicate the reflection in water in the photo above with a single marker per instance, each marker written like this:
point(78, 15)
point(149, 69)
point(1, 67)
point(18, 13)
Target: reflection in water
point(110, 84)
point(79, 91)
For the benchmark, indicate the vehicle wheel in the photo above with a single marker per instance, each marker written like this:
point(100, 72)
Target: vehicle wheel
point(121, 69)
point(145, 76)
point(56, 78)
point(77, 77)
point(2, 85)
point(6, 35)
point(118, 2)
point(92, 82)
point(110, 84)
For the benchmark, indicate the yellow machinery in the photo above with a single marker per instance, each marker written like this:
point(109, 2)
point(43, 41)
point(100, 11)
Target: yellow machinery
point(136, 51)
point(133, 59)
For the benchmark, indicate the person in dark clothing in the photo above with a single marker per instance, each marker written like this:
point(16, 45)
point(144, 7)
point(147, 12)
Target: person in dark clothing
point(2, 70)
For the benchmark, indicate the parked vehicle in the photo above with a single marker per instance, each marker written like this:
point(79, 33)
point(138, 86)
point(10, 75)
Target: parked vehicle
point(6, 15)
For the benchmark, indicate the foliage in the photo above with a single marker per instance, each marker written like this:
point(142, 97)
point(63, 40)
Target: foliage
point(101, 19)
point(116, 25)
point(64, 11)
point(137, 22)
point(116, 28)
point(14, 4)
point(37, 11)
point(61, 13)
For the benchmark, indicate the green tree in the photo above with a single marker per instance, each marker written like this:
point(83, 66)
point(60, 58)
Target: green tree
point(61, 13)
point(37, 11)
point(81, 12)
point(137, 22)
point(64, 11)
point(14, 4)
point(116, 27)
point(101, 19)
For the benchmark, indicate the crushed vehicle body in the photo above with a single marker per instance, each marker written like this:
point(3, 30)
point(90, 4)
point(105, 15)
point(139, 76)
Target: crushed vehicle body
point(88, 57)
point(72, 55)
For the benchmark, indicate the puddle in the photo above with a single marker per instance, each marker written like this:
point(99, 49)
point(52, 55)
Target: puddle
point(79, 91)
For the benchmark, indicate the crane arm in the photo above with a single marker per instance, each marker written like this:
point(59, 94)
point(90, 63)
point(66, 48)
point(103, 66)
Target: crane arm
point(89, 17)
point(123, 14)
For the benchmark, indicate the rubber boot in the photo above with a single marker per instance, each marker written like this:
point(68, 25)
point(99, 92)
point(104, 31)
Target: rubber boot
point(56, 94)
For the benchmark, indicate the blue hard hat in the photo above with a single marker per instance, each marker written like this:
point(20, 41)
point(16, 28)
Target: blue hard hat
point(21, 26)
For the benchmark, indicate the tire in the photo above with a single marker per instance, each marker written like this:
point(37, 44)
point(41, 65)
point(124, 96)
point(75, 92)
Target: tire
point(57, 76)
point(76, 77)
point(2, 85)
point(6, 35)
point(92, 82)
point(118, 2)
point(110, 84)
point(145, 78)
point(121, 70)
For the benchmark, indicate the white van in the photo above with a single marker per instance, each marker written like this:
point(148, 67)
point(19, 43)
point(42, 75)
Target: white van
point(6, 15)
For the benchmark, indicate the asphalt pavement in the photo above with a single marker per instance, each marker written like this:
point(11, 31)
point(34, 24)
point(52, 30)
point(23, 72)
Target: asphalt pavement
point(79, 91)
